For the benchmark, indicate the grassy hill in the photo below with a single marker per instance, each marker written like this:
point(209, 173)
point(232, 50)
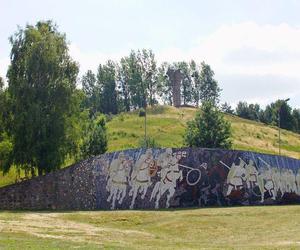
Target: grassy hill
point(167, 125)
point(206, 228)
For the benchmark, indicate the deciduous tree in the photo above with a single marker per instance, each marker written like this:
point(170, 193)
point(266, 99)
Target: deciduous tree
point(106, 81)
point(209, 89)
point(95, 142)
point(41, 84)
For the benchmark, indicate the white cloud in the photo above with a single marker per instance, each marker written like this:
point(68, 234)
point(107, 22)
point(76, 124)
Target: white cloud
point(264, 54)
point(219, 49)
point(91, 60)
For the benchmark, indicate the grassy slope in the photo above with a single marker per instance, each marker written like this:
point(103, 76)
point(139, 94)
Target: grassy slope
point(213, 228)
point(167, 124)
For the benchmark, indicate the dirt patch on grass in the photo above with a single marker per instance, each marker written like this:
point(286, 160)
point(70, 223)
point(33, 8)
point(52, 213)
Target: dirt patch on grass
point(50, 225)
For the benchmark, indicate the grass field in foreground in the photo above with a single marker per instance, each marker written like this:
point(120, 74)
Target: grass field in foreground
point(268, 227)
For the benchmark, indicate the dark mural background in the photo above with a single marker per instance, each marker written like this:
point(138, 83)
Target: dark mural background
point(162, 178)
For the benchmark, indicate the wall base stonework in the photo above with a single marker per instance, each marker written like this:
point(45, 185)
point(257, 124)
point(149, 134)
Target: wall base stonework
point(161, 178)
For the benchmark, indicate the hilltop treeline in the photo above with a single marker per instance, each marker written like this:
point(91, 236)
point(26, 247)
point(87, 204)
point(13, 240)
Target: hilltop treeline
point(137, 81)
point(273, 114)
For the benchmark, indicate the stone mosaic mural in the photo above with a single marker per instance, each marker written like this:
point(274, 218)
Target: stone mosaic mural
point(162, 178)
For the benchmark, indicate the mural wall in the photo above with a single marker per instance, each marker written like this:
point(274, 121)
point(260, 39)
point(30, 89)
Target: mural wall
point(162, 178)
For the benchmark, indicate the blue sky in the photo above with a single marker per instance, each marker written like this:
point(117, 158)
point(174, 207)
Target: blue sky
point(253, 46)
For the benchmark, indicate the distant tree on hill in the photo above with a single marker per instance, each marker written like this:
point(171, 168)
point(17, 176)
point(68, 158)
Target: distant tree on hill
point(147, 64)
point(296, 120)
point(226, 108)
point(137, 78)
point(285, 111)
point(270, 115)
point(41, 85)
point(123, 77)
point(209, 89)
point(254, 112)
point(106, 82)
point(196, 81)
point(92, 92)
point(242, 110)
point(164, 87)
point(208, 129)
point(251, 111)
point(134, 84)
point(95, 142)
point(186, 83)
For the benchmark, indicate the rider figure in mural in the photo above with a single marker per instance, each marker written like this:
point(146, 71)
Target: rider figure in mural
point(144, 168)
point(169, 175)
point(118, 179)
point(236, 177)
point(266, 183)
point(251, 175)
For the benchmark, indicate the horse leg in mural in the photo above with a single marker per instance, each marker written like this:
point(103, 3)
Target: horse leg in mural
point(122, 194)
point(276, 181)
point(169, 196)
point(133, 193)
point(113, 197)
point(155, 193)
point(261, 185)
point(292, 180)
point(109, 188)
point(269, 186)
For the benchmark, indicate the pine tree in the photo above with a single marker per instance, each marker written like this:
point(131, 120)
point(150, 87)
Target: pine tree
point(208, 129)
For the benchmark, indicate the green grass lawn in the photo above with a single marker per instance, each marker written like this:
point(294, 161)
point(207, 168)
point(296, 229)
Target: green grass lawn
point(167, 125)
point(266, 227)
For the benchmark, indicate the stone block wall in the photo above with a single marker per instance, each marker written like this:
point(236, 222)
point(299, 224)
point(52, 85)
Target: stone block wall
point(161, 178)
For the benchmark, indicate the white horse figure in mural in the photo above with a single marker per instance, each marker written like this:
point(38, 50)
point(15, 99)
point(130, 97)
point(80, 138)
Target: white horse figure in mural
point(118, 179)
point(140, 177)
point(169, 173)
point(236, 177)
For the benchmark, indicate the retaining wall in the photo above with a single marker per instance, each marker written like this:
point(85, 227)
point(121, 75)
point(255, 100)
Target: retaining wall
point(161, 178)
